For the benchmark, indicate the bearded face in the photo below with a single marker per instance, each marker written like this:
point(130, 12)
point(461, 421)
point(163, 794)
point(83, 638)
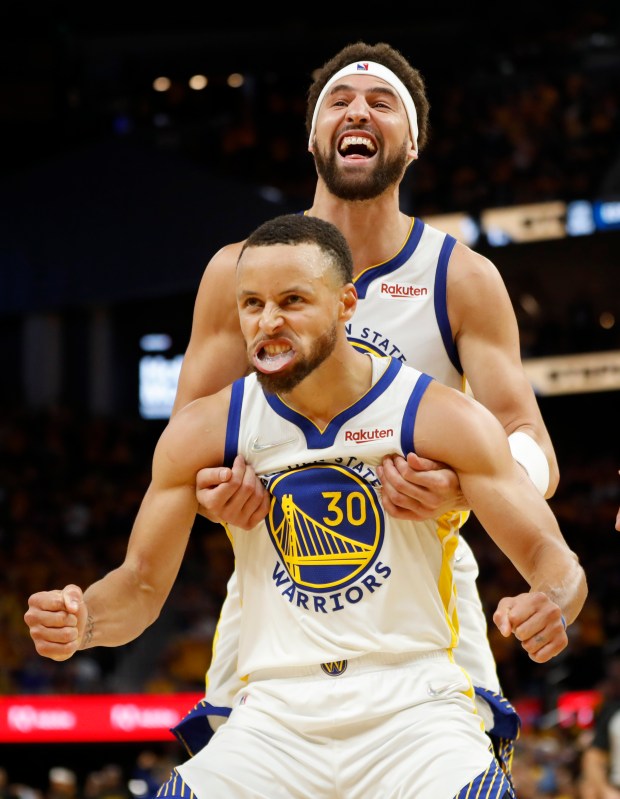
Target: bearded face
point(282, 382)
point(347, 183)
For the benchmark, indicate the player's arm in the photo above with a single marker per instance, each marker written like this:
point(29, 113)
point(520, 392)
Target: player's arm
point(453, 428)
point(594, 774)
point(120, 606)
point(215, 354)
point(215, 357)
point(487, 338)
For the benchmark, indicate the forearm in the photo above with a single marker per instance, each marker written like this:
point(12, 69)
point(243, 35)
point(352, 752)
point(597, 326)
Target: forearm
point(522, 524)
point(120, 607)
point(558, 574)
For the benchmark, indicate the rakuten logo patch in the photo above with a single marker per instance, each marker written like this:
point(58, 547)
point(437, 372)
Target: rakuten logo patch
point(399, 291)
point(364, 436)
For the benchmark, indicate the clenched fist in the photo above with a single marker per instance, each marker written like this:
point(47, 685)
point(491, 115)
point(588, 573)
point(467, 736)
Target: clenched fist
point(57, 621)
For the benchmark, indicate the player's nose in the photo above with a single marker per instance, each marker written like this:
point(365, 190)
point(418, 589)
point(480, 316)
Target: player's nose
point(358, 109)
point(271, 317)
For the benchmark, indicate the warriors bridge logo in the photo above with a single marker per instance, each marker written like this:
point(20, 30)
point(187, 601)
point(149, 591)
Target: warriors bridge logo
point(326, 524)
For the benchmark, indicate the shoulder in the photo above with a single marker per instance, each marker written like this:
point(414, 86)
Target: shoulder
point(195, 436)
point(224, 262)
point(216, 293)
point(467, 263)
point(466, 266)
point(475, 285)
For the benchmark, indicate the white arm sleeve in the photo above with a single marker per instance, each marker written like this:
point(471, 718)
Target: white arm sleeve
point(527, 452)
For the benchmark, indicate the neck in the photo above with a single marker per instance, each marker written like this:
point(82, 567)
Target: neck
point(344, 377)
point(374, 229)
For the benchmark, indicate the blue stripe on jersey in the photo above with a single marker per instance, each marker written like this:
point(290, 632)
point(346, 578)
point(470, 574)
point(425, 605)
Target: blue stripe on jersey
point(319, 439)
point(368, 276)
point(231, 447)
point(410, 413)
point(441, 303)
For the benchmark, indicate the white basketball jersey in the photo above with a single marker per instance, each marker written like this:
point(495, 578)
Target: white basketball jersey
point(402, 312)
point(402, 309)
point(329, 575)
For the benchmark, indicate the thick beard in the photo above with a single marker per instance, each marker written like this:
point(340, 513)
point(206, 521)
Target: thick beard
point(341, 185)
point(282, 382)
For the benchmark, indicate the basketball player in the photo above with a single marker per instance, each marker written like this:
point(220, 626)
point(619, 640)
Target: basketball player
point(424, 299)
point(348, 616)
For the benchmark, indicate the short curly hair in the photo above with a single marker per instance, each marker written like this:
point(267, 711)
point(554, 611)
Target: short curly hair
point(388, 56)
point(293, 229)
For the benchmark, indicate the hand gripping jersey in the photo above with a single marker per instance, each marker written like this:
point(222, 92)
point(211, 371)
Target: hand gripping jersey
point(401, 313)
point(329, 576)
point(347, 619)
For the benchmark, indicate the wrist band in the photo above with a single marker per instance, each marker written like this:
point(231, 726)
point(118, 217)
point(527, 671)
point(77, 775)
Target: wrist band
point(527, 452)
point(563, 620)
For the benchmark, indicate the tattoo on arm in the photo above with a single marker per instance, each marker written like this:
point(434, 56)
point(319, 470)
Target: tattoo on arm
point(90, 629)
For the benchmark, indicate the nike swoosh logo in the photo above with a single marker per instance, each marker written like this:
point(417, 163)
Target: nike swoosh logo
point(256, 447)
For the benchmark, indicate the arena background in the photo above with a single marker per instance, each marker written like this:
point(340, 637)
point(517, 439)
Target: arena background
point(115, 195)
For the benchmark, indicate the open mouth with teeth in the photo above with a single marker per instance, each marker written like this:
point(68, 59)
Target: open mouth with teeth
point(357, 146)
point(273, 356)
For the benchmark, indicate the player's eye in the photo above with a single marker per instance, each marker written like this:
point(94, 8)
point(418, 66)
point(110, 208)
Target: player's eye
point(251, 302)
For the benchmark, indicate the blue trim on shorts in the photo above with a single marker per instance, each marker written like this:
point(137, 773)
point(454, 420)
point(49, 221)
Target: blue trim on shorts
point(175, 788)
point(194, 730)
point(490, 784)
point(506, 728)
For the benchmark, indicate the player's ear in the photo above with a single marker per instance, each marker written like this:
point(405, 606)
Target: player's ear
point(412, 153)
point(348, 301)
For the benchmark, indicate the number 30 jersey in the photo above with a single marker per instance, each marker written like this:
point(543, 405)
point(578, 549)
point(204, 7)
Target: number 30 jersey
point(328, 575)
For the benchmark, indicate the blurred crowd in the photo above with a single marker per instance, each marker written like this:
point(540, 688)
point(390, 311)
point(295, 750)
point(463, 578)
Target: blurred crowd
point(512, 122)
point(70, 488)
point(135, 779)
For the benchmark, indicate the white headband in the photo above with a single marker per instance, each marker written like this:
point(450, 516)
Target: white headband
point(378, 71)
